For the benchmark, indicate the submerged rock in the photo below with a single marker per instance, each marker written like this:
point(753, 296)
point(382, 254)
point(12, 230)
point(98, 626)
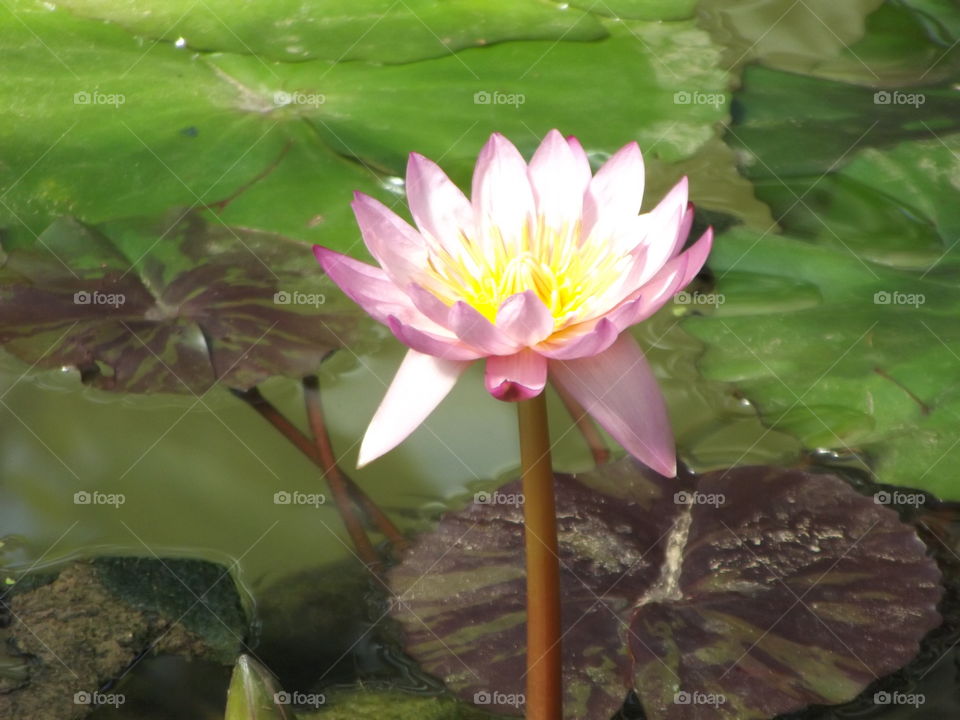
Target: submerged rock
point(69, 635)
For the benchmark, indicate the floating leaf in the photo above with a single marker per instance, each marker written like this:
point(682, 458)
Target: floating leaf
point(783, 33)
point(845, 333)
point(755, 589)
point(207, 304)
point(380, 30)
point(114, 124)
point(876, 44)
point(789, 590)
point(773, 104)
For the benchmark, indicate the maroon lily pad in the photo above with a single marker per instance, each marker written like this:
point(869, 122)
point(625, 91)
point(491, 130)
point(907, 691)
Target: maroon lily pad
point(171, 305)
point(738, 594)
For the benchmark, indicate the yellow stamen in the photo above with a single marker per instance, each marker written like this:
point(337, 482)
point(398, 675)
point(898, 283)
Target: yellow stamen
point(566, 271)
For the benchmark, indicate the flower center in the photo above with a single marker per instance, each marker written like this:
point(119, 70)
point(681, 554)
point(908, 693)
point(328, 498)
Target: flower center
point(567, 273)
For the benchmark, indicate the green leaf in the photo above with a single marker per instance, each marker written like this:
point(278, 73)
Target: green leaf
point(859, 347)
point(204, 304)
point(110, 124)
point(736, 595)
point(380, 30)
point(446, 108)
point(773, 105)
point(785, 34)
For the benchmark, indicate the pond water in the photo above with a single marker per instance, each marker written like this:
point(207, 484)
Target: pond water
point(198, 476)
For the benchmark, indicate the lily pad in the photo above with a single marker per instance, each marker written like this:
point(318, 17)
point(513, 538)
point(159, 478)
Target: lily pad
point(110, 123)
point(844, 333)
point(381, 30)
point(773, 104)
point(739, 594)
point(785, 34)
point(206, 304)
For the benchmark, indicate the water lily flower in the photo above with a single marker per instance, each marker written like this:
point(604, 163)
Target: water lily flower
point(538, 274)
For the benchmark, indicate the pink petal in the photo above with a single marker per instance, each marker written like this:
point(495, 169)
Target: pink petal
point(569, 345)
point(615, 192)
point(431, 343)
point(418, 387)
point(524, 318)
point(399, 249)
point(475, 330)
point(502, 198)
point(582, 171)
point(659, 230)
point(440, 209)
point(428, 303)
point(463, 322)
point(683, 232)
point(556, 176)
point(665, 222)
point(369, 287)
point(673, 277)
point(516, 377)
point(619, 390)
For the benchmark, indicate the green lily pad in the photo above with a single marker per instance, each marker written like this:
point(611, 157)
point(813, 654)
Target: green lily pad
point(206, 304)
point(785, 34)
point(846, 335)
point(640, 9)
point(380, 30)
point(740, 594)
point(774, 104)
point(907, 43)
point(894, 45)
point(111, 124)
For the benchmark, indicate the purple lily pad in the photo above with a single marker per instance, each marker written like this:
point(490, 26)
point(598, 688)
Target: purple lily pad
point(738, 594)
point(175, 305)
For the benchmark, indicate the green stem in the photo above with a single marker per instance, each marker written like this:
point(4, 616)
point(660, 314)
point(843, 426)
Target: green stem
point(544, 693)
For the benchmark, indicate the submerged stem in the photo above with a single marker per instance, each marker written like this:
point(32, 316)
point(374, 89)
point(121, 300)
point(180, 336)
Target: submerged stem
point(335, 479)
point(586, 426)
point(544, 690)
point(255, 399)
